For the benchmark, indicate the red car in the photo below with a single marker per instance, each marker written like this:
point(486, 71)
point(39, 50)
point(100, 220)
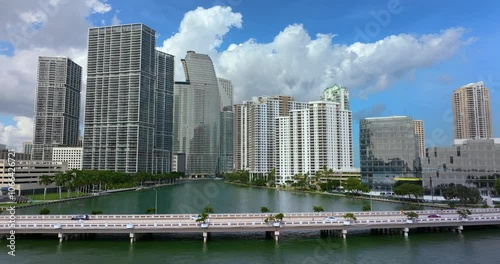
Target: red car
point(433, 216)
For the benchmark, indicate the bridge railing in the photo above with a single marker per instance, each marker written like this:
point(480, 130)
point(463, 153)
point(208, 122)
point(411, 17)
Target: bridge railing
point(248, 215)
point(183, 225)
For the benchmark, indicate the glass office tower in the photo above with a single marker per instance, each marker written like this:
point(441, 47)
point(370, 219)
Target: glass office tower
point(389, 152)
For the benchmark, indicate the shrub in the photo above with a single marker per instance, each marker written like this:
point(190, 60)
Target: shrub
point(366, 207)
point(45, 211)
point(96, 212)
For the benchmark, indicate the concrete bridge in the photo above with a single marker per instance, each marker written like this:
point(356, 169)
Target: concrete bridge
point(230, 223)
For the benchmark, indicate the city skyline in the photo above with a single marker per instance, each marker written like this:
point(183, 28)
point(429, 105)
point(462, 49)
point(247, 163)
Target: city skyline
point(439, 76)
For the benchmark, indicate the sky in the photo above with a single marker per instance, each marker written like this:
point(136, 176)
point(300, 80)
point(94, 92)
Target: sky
point(396, 57)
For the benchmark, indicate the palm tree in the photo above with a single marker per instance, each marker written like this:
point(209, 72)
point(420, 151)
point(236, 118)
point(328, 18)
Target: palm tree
point(60, 180)
point(45, 180)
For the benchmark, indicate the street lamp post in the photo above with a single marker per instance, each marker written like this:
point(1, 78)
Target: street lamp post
point(432, 190)
point(156, 200)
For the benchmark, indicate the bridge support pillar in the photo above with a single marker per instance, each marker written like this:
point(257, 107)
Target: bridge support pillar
point(459, 229)
point(406, 230)
point(276, 235)
point(205, 236)
point(61, 237)
point(132, 238)
point(344, 233)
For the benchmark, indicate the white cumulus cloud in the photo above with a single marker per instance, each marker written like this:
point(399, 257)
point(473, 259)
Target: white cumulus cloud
point(14, 135)
point(298, 64)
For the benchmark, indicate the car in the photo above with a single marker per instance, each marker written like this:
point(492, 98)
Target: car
point(195, 217)
point(80, 217)
point(433, 216)
point(330, 219)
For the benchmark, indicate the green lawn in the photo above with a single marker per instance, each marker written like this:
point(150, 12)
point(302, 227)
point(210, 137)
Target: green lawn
point(53, 196)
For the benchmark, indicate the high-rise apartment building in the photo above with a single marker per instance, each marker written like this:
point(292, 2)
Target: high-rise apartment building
point(471, 112)
point(311, 139)
point(27, 147)
point(419, 132)
point(163, 115)
point(255, 132)
point(337, 94)
point(128, 101)
point(389, 151)
point(57, 106)
point(197, 110)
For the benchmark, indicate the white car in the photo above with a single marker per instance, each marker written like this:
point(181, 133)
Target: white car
point(330, 219)
point(195, 217)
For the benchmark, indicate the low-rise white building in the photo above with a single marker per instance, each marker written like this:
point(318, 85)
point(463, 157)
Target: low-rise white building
point(27, 173)
point(72, 155)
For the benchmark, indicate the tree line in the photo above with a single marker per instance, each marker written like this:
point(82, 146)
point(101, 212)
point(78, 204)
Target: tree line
point(86, 181)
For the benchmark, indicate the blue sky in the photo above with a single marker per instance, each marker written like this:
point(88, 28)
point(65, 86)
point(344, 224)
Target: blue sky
point(411, 56)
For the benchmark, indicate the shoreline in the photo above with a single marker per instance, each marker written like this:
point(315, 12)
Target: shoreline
point(361, 197)
point(104, 193)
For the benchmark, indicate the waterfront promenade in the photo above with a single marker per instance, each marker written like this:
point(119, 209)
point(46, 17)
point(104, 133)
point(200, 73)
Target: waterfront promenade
point(236, 223)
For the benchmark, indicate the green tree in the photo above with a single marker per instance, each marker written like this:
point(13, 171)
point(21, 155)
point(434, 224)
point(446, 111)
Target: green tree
point(96, 212)
point(409, 189)
point(497, 186)
point(45, 180)
point(318, 209)
point(354, 185)
point(366, 207)
point(411, 215)
point(45, 211)
point(208, 210)
point(466, 195)
point(150, 211)
point(264, 209)
point(60, 181)
point(350, 216)
point(464, 213)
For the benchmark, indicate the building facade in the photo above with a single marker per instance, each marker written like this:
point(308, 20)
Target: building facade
point(73, 157)
point(471, 112)
point(419, 132)
point(389, 152)
point(197, 110)
point(27, 147)
point(128, 86)
point(163, 115)
point(4, 154)
point(470, 162)
point(226, 161)
point(255, 132)
point(312, 139)
point(57, 105)
point(28, 173)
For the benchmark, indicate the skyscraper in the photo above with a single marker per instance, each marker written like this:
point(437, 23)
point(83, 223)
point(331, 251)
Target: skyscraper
point(163, 117)
point(311, 139)
point(128, 85)
point(389, 151)
point(419, 132)
point(471, 112)
point(226, 158)
point(255, 132)
point(197, 110)
point(337, 94)
point(57, 106)
point(27, 147)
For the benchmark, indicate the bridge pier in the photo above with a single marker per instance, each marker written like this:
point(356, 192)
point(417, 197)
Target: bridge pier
point(406, 230)
point(61, 237)
point(205, 237)
point(459, 229)
point(276, 235)
point(344, 233)
point(132, 238)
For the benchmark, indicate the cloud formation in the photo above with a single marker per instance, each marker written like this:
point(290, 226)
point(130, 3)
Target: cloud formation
point(13, 136)
point(296, 64)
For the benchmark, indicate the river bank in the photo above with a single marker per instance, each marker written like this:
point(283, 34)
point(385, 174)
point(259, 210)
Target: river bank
point(361, 196)
point(87, 196)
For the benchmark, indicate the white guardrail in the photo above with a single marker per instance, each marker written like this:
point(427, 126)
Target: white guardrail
point(243, 215)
